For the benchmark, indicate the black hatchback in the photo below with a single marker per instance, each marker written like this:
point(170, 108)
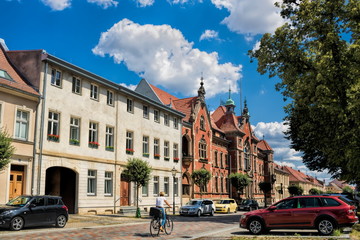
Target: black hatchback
point(249, 205)
point(26, 211)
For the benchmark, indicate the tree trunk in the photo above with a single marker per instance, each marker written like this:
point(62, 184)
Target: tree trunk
point(138, 214)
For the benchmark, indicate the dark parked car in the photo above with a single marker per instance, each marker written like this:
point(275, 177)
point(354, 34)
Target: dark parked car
point(324, 213)
point(198, 207)
point(26, 211)
point(249, 205)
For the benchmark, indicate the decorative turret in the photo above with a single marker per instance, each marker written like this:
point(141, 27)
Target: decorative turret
point(245, 112)
point(230, 104)
point(201, 91)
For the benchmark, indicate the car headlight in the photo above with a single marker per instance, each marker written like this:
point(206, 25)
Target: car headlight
point(224, 206)
point(6, 213)
point(243, 216)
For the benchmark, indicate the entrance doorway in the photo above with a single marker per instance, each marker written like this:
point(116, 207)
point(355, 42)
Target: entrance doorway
point(124, 192)
point(61, 181)
point(16, 181)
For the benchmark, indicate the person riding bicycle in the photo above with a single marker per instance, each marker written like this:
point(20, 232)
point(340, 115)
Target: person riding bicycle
point(160, 204)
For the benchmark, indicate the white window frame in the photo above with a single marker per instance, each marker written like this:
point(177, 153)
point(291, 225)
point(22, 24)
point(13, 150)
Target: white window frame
point(76, 85)
point(93, 131)
point(129, 140)
point(167, 149)
point(145, 112)
point(145, 148)
point(145, 190)
point(156, 116)
point(166, 119)
point(166, 185)
point(156, 146)
point(175, 150)
point(109, 137)
point(129, 105)
point(109, 98)
point(53, 123)
point(156, 184)
point(94, 91)
point(56, 77)
point(92, 179)
point(176, 123)
point(22, 125)
point(202, 150)
point(108, 183)
point(74, 129)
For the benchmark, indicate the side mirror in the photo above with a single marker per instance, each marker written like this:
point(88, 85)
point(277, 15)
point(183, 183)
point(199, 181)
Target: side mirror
point(32, 205)
point(272, 208)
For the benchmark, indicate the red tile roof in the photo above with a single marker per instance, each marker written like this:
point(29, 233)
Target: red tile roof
point(18, 83)
point(164, 97)
point(184, 106)
point(263, 145)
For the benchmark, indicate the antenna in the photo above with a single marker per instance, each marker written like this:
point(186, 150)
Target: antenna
point(241, 106)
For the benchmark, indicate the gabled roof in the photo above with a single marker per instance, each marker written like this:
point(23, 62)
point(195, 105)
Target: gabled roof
point(17, 82)
point(296, 175)
point(226, 122)
point(263, 145)
point(165, 97)
point(184, 105)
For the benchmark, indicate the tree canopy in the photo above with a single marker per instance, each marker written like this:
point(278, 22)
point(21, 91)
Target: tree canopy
point(265, 187)
point(316, 56)
point(295, 190)
point(6, 149)
point(239, 181)
point(201, 178)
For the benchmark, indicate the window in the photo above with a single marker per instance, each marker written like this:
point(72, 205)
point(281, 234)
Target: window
point(216, 158)
point(145, 112)
point(156, 116)
point(108, 184)
point(94, 92)
point(221, 160)
point(166, 119)
point(145, 190)
point(176, 187)
point(156, 185)
point(145, 146)
point(91, 188)
point(330, 202)
point(176, 152)
point(129, 143)
point(129, 105)
point(216, 184)
point(202, 123)
point(247, 158)
point(76, 85)
point(222, 184)
point(176, 123)
point(109, 98)
point(287, 204)
point(93, 134)
point(53, 126)
point(166, 186)
point(202, 149)
point(166, 150)
point(156, 148)
point(109, 138)
point(22, 125)
point(5, 75)
point(55, 78)
point(74, 131)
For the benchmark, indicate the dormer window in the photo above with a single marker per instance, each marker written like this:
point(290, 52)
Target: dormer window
point(5, 75)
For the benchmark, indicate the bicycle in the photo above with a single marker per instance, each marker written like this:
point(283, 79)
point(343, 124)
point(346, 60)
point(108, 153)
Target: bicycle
point(155, 223)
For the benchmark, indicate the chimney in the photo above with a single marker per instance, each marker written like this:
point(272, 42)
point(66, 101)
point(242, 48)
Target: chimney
point(2, 43)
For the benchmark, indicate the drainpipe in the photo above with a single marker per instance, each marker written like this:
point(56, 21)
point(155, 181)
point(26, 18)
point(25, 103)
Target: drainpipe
point(34, 147)
point(116, 152)
point(42, 127)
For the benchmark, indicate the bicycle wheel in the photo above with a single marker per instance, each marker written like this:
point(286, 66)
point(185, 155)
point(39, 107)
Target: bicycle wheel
point(155, 227)
point(169, 225)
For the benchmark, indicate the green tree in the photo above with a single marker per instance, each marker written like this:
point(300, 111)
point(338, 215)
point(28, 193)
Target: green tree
point(137, 171)
point(295, 190)
point(316, 55)
point(347, 190)
point(314, 191)
point(265, 187)
point(6, 149)
point(239, 181)
point(201, 178)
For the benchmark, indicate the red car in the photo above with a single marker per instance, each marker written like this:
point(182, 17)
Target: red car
point(322, 212)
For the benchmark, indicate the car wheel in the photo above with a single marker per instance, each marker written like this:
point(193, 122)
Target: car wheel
point(198, 214)
point(16, 224)
point(325, 226)
point(255, 226)
point(235, 211)
point(212, 212)
point(60, 221)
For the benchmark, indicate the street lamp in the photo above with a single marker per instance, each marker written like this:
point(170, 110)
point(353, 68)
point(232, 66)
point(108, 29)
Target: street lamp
point(173, 172)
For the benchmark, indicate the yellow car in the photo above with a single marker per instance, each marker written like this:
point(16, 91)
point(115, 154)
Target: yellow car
point(227, 205)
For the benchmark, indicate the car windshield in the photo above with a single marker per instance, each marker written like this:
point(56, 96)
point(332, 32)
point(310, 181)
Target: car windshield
point(246, 202)
point(191, 203)
point(18, 201)
point(224, 202)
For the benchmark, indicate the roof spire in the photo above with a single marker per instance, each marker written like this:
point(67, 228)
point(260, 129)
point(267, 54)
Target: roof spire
point(201, 91)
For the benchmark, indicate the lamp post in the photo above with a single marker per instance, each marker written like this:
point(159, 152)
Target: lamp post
point(173, 172)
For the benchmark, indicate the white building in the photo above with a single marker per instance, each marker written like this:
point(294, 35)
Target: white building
point(86, 129)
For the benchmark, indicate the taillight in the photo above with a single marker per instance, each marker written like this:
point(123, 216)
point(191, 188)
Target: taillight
point(65, 207)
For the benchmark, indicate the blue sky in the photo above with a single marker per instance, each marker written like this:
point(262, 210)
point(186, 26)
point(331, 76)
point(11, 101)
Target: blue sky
point(170, 43)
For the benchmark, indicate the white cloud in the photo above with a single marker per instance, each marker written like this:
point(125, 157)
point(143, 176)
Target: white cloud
point(256, 46)
point(250, 17)
point(57, 5)
point(130, 86)
point(104, 3)
point(209, 34)
point(145, 3)
point(164, 57)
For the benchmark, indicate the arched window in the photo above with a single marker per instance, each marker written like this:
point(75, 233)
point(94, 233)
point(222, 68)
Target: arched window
point(247, 157)
point(202, 123)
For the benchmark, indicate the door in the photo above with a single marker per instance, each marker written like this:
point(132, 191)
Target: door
point(16, 184)
point(124, 192)
point(282, 215)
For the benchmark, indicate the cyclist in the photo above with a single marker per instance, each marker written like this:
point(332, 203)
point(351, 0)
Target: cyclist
point(160, 204)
